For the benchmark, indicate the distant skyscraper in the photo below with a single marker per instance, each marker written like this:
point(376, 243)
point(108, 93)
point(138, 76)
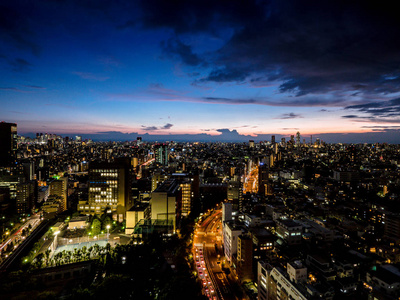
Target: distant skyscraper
point(263, 176)
point(251, 144)
point(161, 154)
point(298, 138)
point(273, 139)
point(8, 143)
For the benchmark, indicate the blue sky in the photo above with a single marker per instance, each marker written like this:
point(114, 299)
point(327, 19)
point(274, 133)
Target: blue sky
point(196, 67)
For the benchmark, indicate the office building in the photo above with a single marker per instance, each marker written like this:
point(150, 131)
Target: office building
point(59, 188)
point(280, 287)
point(25, 197)
point(157, 179)
point(297, 271)
point(245, 257)
point(161, 154)
point(263, 178)
point(165, 203)
point(235, 193)
point(263, 270)
point(8, 143)
point(135, 214)
point(392, 227)
point(109, 189)
point(187, 197)
point(289, 231)
point(231, 232)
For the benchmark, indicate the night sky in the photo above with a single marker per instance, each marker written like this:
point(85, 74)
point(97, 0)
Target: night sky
point(207, 70)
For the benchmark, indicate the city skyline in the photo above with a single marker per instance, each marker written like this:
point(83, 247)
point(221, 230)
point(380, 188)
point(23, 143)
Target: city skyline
point(206, 70)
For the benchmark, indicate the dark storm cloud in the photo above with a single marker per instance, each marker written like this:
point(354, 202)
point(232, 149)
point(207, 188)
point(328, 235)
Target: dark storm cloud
point(307, 47)
point(381, 127)
point(384, 110)
point(198, 16)
point(225, 75)
point(175, 47)
point(12, 89)
point(231, 100)
point(149, 128)
point(15, 27)
point(153, 128)
point(167, 126)
point(35, 87)
point(307, 101)
point(20, 64)
point(290, 116)
point(350, 116)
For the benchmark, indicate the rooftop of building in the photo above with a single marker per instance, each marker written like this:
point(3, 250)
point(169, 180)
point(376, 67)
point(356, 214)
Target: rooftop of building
point(169, 186)
point(288, 223)
point(79, 219)
point(141, 206)
point(387, 273)
point(297, 264)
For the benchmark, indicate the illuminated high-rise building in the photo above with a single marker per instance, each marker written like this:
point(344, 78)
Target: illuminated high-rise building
point(235, 193)
point(161, 154)
point(165, 204)
point(59, 188)
point(25, 197)
point(283, 142)
point(245, 257)
point(157, 179)
point(298, 137)
point(187, 197)
point(8, 143)
point(109, 189)
point(263, 176)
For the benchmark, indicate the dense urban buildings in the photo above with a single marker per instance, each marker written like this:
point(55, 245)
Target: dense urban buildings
point(290, 220)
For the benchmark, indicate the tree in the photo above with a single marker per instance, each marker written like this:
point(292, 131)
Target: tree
point(106, 221)
point(96, 227)
point(39, 260)
point(47, 255)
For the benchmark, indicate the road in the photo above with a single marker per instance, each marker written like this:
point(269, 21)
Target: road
point(24, 246)
point(17, 237)
point(251, 181)
point(209, 256)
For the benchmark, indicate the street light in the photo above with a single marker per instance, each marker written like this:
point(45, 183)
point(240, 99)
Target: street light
point(108, 231)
